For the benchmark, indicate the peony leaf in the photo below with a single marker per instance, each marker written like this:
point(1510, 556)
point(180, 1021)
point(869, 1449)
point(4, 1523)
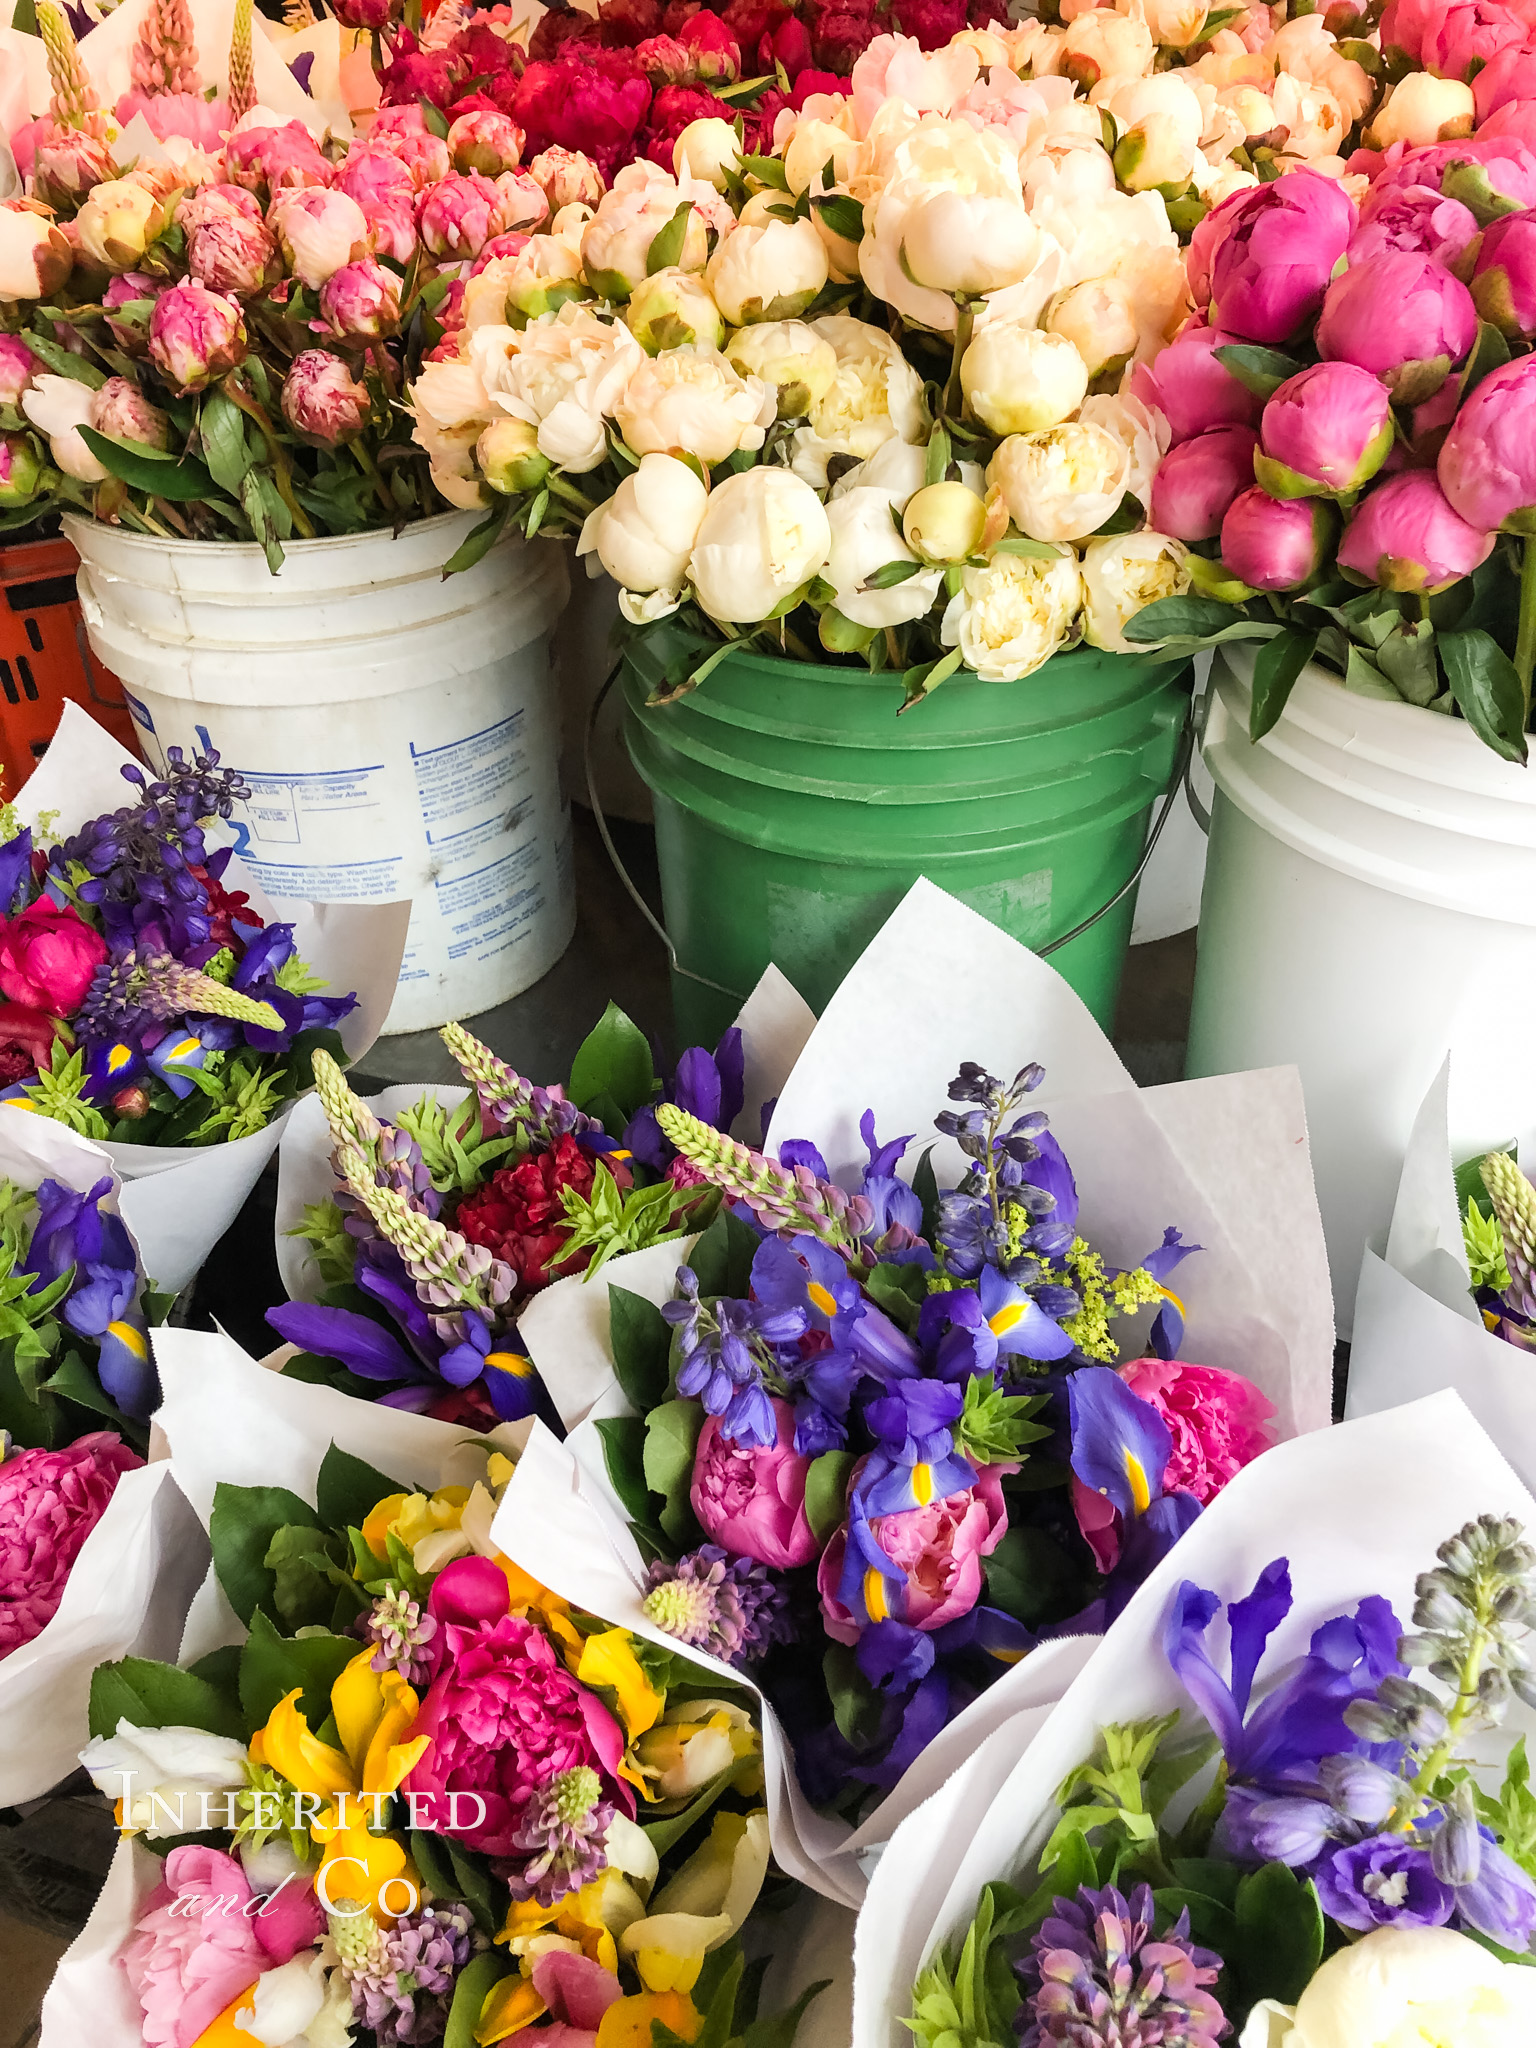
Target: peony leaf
point(152, 1695)
point(826, 1493)
point(473, 1985)
point(347, 1489)
point(671, 1438)
point(667, 247)
point(435, 118)
point(149, 469)
point(1486, 686)
point(844, 216)
point(614, 1059)
point(1259, 370)
point(241, 1528)
point(272, 1665)
point(641, 1343)
point(480, 540)
point(1279, 1927)
point(1275, 668)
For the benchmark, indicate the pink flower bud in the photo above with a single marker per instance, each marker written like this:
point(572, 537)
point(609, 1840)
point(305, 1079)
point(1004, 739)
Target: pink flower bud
point(229, 253)
point(567, 178)
point(368, 15)
point(322, 401)
point(1276, 543)
point(276, 159)
point(1405, 24)
point(1403, 318)
point(68, 163)
point(664, 60)
point(1417, 220)
point(319, 231)
point(35, 256)
point(1192, 390)
point(1270, 271)
point(714, 50)
point(18, 366)
point(1406, 535)
point(195, 335)
point(130, 287)
point(361, 301)
point(486, 142)
point(120, 409)
point(1487, 466)
point(20, 472)
point(459, 216)
point(1505, 79)
point(382, 186)
point(496, 248)
point(1504, 277)
point(523, 205)
point(1197, 481)
point(216, 202)
point(1326, 433)
point(1464, 37)
point(426, 157)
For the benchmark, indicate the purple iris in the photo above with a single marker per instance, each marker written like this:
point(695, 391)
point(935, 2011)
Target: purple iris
point(914, 1461)
point(1167, 1331)
point(803, 1273)
point(72, 1233)
point(15, 872)
point(71, 1230)
point(1384, 1881)
point(1120, 1444)
point(356, 1341)
point(710, 1086)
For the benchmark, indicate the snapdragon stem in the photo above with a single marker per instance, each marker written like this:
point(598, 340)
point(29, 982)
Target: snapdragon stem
point(1525, 642)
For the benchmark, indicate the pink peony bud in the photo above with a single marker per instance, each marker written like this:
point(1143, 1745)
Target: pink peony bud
point(1487, 466)
point(1462, 38)
point(1405, 24)
point(216, 202)
point(665, 60)
point(713, 50)
point(68, 163)
point(276, 159)
point(50, 1501)
point(368, 15)
point(319, 231)
point(1403, 318)
point(1417, 220)
point(1271, 269)
point(127, 288)
point(496, 248)
point(1197, 481)
point(229, 253)
point(361, 301)
point(566, 178)
point(426, 157)
point(35, 256)
point(120, 409)
point(1505, 79)
point(322, 401)
point(20, 471)
point(18, 366)
point(459, 216)
point(1504, 276)
point(486, 142)
point(1192, 390)
point(382, 186)
point(1276, 543)
point(524, 209)
point(1406, 535)
point(1326, 433)
point(195, 335)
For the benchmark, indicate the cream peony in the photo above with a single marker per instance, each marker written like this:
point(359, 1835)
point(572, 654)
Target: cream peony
point(1140, 429)
point(1018, 379)
point(813, 146)
point(1174, 23)
point(709, 150)
point(1098, 317)
point(1405, 1987)
point(875, 396)
point(1305, 50)
point(767, 273)
point(35, 257)
point(645, 533)
point(1062, 484)
point(59, 407)
point(691, 399)
point(543, 275)
point(790, 357)
point(864, 540)
point(1009, 618)
point(565, 374)
point(1121, 574)
point(616, 246)
point(118, 219)
point(1069, 170)
point(764, 534)
point(1161, 121)
point(1104, 45)
point(673, 309)
point(898, 68)
point(1423, 109)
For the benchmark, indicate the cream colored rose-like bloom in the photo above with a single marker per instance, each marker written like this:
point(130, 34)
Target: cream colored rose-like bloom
point(691, 400)
point(1063, 484)
point(59, 407)
point(1314, 122)
point(452, 410)
point(813, 146)
point(673, 309)
point(117, 220)
point(543, 274)
point(862, 541)
point(1103, 45)
point(896, 67)
point(1423, 109)
point(565, 374)
point(1122, 574)
point(1405, 1987)
point(1076, 168)
point(1304, 50)
point(1140, 429)
point(617, 243)
point(1017, 379)
point(645, 533)
point(1098, 317)
point(767, 273)
point(709, 150)
point(1009, 618)
point(875, 396)
point(764, 534)
point(1174, 23)
point(788, 356)
point(1034, 48)
point(571, 223)
point(1161, 121)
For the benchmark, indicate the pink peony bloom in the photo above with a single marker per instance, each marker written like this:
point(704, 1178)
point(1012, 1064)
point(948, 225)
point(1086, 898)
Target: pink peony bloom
point(1403, 318)
point(47, 956)
point(229, 253)
point(486, 142)
point(1464, 36)
point(276, 159)
point(188, 114)
point(381, 183)
point(1405, 24)
point(1276, 543)
point(361, 301)
point(1192, 390)
point(321, 399)
point(566, 178)
point(1197, 481)
point(1487, 466)
point(1270, 270)
point(127, 286)
point(938, 1548)
point(1504, 278)
point(18, 366)
point(1326, 432)
point(1417, 219)
point(461, 214)
point(1407, 535)
point(195, 335)
point(50, 1501)
point(753, 1501)
point(120, 409)
point(1507, 78)
point(504, 1715)
point(319, 230)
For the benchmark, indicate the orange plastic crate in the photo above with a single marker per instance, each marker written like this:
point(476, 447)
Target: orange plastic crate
point(44, 658)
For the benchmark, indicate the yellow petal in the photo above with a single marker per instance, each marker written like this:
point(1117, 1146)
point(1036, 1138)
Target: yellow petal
point(358, 1865)
point(289, 1748)
point(668, 1949)
point(223, 2033)
point(380, 1521)
point(627, 2022)
point(609, 1660)
point(509, 2005)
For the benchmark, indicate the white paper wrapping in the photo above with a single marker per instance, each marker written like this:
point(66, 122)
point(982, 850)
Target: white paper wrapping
point(130, 1587)
point(1417, 1329)
point(107, 53)
point(90, 1998)
point(179, 1201)
point(1337, 1505)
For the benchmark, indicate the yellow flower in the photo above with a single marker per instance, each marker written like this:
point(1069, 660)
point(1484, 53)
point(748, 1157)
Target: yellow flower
point(701, 1906)
point(627, 2022)
point(592, 1918)
point(509, 2005)
point(608, 1662)
point(311, 1765)
point(694, 1742)
point(222, 2031)
point(372, 1711)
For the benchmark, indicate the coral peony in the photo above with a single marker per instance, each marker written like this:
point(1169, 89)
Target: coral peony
point(751, 1499)
point(50, 1501)
point(48, 955)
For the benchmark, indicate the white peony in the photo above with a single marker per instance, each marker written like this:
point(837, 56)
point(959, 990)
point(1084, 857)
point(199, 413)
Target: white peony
point(1062, 484)
point(286, 2001)
point(1161, 121)
point(813, 146)
point(691, 399)
point(645, 533)
point(764, 534)
point(864, 540)
point(1018, 379)
point(1123, 573)
point(452, 410)
point(1076, 168)
point(709, 150)
point(1140, 429)
point(1098, 317)
point(1009, 618)
point(767, 273)
point(1104, 45)
point(59, 407)
point(673, 309)
point(565, 374)
point(34, 255)
point(1422, 109)
point(1405, 1987)
point(1174, 23)
point(875, 396)
point(790, 358)
point(616, 246)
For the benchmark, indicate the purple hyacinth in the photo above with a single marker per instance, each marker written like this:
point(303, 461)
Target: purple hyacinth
point(402, 1982)
point(562, 1833)
point(400, 1633)
point(732, 1607)
point(1098, 1978)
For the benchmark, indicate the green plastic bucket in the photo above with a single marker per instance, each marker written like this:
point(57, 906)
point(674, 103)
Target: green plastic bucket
point(794, 810)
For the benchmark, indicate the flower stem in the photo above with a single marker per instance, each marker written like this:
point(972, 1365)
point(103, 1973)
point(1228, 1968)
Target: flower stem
point(1525, 643)
point(1409, 1809)
point(277, 455)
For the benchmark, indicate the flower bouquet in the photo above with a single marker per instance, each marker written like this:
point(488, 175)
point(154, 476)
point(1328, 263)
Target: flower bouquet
point(150, 1003)
point(1333, 1846)
point(439, 1799)
point(101, 1556)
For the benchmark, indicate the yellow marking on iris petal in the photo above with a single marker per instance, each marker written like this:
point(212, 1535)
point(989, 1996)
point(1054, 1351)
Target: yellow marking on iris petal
point(922, 1484)
point(874, 1596)
point(1490, 1319)
point(618, 1153)
point(820, 1298)
point(21, 1102)
point(1007, 1656)
point(1004, 1320)
point(119, 1056)
point(1168, 1295)
point(509, 1361)
point(126, 1334)
point(1136, 1473)
point(185, 1049)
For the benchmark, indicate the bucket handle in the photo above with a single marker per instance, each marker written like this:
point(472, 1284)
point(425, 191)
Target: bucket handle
point(1180, 779)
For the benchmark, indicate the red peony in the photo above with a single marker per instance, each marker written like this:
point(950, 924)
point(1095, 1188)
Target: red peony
point(26, 1041)
point(840, 35)
point(671, 111)
point(627, 22)
point(594, 103)
point(789, 46)
point(415, 75)
point(750, 20)
point(47, 956)
point(932, 23)
point(677, 14)
point(482, 50)
point(516, 1213)
point(560, 28)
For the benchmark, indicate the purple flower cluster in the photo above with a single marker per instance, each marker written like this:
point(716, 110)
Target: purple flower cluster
point(562, 1833)
point(1097, 1977)
point(403, 1991)
point(732, 1607)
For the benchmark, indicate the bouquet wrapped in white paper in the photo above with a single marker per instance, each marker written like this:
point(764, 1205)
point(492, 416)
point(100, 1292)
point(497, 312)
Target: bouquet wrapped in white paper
point(83, 1030)
point(826, 1358)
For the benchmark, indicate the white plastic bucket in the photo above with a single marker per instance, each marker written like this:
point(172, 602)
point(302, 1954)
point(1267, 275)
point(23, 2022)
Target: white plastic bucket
point(1369, 906)
point(398, 729)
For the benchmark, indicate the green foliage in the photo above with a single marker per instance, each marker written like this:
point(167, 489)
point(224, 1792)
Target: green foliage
point(244, 1521)
point(1511, 1811)
point(323, 1228)
point(454, 1152)
point(475, 1982)
point(153, 1695)
point(1275, 668)
point(641, 1341)
point(274, 1665)
point(994, 1426)
point(612, 1074)
point(348, 1489)
point(826, 1492)
point(56, 1093)
point(671, 1437)
point(610, 1221)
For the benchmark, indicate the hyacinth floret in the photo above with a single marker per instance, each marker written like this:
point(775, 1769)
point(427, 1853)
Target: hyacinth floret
point(562, 1833)
point(165, 55)
point(1514, 1205)
point(781, 1199)
point(512, 1102)
point(400, 1631)
point(1097, 1977)
point(733, 1607)
point(402, 1977)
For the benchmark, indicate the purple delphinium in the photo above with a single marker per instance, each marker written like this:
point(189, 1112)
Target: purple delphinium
point(732, 1607)
point(1384, 1881)
point(400, 1633)
point(562, 1834)
point(725, 1348)
point(1097, 1977)
point(401, 1984)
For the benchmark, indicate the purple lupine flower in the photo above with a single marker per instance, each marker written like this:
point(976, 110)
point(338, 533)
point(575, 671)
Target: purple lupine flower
point(731, 1606)
point(402, 1986)
point(562, 1833)
point(400, 1632)
point(1097, 1977)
